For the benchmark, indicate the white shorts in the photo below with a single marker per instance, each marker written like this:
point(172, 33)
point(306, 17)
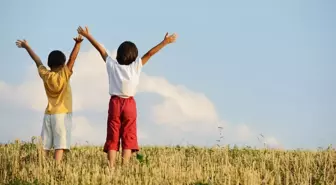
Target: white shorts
point(56, 131)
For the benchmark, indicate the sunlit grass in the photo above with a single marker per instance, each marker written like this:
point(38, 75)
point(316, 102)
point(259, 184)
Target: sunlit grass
point(23, 163)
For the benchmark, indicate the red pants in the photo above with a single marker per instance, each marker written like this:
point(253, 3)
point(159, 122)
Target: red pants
point(121, 124)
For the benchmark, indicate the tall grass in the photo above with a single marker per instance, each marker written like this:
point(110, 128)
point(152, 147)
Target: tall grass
point(23, 163)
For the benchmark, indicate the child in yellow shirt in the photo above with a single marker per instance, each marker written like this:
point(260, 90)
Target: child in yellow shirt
point(56, 129)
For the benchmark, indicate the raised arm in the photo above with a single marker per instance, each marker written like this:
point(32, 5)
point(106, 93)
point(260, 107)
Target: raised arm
point(85, 33)
point(168, 39)
point(74, 53)
point(24, 44)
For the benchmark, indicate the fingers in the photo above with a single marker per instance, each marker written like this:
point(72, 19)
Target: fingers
point(83, 32)
point(80, 30)
point(171, 38)
point(78, 38)
point(19, 43)
point(174, 36)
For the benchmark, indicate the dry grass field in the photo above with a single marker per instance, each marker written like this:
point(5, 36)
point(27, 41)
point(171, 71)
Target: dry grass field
point(22, 163)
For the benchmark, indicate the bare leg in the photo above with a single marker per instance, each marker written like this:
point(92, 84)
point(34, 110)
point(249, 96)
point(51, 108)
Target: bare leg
point(126, 155)
point(58, 154)
point(46, 154)
point(111, 156)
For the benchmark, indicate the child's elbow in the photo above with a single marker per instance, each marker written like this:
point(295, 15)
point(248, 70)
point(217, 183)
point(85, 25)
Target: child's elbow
point(150, 54)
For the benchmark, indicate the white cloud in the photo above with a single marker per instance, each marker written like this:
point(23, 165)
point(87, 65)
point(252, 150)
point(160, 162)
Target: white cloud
point(244, 132)
point(82, 127)
point(272, 142)
point(181, 111)
point(90, 83)
point(180, 107)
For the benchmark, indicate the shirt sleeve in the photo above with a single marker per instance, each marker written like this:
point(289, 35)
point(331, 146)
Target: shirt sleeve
point(110, 62)
point(43, 72)
point(67, 72)
point(138, 65)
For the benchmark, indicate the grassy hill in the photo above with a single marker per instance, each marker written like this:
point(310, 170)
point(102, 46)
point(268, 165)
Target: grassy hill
point(23, 163)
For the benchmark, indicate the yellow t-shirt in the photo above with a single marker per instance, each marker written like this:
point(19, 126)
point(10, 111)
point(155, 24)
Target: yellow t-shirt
point(58, 90)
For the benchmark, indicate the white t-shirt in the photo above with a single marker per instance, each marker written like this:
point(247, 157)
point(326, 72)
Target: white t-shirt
point(123, 79)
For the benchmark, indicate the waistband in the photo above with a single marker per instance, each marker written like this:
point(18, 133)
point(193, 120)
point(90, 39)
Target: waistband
point(120, 97)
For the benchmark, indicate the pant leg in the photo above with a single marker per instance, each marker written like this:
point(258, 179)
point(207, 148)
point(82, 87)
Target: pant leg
point(46, 133)
point(129, 127)
point(61, 128)
point(113, 125)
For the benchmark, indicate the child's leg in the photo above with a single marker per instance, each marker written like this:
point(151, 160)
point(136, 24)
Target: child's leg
point(46, 153)
point(113, 128)
point(61, 126)
point(58, 155)
point(111, 156)
point(126, 155)
point(46, 135)
point(128, 128)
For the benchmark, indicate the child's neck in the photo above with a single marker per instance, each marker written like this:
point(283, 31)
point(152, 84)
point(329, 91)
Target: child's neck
point(56, 69)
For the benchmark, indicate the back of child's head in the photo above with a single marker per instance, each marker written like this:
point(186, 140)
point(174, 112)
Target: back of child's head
point(127, 53)
point(56, 59)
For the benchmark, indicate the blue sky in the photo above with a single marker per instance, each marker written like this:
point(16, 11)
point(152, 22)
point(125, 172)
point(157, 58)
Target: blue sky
point(267, 64)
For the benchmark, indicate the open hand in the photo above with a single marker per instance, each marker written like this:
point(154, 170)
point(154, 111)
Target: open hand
point(21, 43)
point(170, 38)
point(83, 32)
point(78, 39)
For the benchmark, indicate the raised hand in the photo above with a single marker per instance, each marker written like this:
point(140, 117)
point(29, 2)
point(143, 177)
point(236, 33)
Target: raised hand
point(22, 44)
point(83, 32)
point(168, 39)
point(78, 39)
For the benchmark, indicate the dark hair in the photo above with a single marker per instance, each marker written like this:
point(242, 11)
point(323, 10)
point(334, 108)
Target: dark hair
point(127, 53)
point(56, 59)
